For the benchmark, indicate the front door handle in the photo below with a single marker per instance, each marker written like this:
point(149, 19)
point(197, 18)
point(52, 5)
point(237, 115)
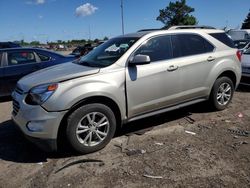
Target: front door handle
point(210, 58)
point(172, 68)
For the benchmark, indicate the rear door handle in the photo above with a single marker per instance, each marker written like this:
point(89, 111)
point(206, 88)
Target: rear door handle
point(172, 68)
point(210, 58)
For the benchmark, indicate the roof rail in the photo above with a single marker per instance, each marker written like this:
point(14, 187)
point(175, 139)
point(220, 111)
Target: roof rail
point(190, 27)
point(143, 30)
point(179, 27)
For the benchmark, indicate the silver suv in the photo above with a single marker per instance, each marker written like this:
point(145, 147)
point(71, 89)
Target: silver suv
point(125, 79)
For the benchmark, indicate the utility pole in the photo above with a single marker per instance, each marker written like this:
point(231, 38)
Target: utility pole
point(89, 33)
point(122, 17)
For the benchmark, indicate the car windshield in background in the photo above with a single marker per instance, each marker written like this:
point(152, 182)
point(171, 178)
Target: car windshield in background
point(107, 53)
point(247, 52)
point(241, 44)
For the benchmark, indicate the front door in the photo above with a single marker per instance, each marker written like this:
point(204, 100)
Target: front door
point(156, 85)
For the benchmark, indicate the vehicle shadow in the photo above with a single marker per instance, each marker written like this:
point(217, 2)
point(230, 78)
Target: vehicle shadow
point(15, 148)
point(5, 99)
point(243, 89)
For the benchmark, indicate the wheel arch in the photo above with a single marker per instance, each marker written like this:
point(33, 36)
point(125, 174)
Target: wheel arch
point(230, 74)
point(61, 133)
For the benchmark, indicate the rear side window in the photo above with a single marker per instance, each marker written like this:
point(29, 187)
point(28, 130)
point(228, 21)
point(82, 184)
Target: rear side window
point(190, 44)
point(157, 48)
point(18, 58)
point(224, 38)
point(43, 57)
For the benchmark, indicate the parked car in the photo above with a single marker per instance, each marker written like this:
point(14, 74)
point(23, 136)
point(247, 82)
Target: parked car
point(242, 34)
point(18, 62)
point(80, 51)
point(245, 79)
point(9, 45)
point(242, 45)
point(84, 50)
point(125, 79)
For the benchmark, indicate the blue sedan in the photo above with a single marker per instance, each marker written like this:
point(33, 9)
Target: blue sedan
point(18, 62)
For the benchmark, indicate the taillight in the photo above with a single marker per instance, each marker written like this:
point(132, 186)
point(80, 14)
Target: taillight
point(239, 54)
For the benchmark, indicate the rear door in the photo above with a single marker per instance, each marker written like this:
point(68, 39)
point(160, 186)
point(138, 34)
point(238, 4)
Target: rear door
point(18, 64)
point(196, 59)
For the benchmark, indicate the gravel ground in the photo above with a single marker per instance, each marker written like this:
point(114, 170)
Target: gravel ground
point(191, 147)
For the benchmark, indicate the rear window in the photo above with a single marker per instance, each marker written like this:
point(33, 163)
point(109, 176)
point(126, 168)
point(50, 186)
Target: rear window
point(222, 37)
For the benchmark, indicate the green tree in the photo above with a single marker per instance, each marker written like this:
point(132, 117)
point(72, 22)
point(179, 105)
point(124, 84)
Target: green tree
point(35, 43)
point(246, 23)
point(105, 38)
point(96, 40)
point(177, 13)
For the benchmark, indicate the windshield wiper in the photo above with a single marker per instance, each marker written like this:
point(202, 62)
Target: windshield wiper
point(85, 63)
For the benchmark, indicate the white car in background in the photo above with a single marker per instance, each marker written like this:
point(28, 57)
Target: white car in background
point(245, 80)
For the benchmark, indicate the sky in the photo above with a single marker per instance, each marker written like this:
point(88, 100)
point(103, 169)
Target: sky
point(51, 20)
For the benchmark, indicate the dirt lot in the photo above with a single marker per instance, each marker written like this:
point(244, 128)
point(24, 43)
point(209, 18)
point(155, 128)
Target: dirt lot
point(215, 154)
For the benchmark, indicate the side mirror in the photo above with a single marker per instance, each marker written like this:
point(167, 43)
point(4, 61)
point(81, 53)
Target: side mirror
point(140, 60)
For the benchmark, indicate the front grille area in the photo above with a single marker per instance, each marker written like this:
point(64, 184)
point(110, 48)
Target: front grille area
point(19, 90)
point(16, 107)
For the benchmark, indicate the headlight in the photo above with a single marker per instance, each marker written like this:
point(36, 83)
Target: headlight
point(39, 94)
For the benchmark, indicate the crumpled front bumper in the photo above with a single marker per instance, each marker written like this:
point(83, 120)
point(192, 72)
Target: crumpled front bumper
point(37, 124)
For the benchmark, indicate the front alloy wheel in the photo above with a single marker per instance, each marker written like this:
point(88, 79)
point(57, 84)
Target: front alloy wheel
point(90, 127)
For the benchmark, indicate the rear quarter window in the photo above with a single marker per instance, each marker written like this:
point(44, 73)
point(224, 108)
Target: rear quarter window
point(224, 38)
point(43, 57)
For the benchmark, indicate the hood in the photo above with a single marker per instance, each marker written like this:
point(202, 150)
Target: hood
point(56, 73)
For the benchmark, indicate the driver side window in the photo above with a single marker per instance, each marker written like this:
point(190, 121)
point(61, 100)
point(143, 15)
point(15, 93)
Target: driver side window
point(157, 48)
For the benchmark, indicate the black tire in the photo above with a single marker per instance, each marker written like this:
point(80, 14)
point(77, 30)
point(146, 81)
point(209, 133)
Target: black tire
point(216, 103)
point(75, 118)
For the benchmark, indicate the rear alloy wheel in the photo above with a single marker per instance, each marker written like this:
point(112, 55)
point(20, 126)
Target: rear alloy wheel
point(91, 127)
point(222, 93)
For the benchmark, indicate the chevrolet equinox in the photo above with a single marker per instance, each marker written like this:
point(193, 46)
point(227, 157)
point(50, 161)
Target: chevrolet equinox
point(125, 79)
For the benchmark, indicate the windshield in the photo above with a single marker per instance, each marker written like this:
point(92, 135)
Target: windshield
point(107, 53)
point(241, 44)
point(247, 51)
